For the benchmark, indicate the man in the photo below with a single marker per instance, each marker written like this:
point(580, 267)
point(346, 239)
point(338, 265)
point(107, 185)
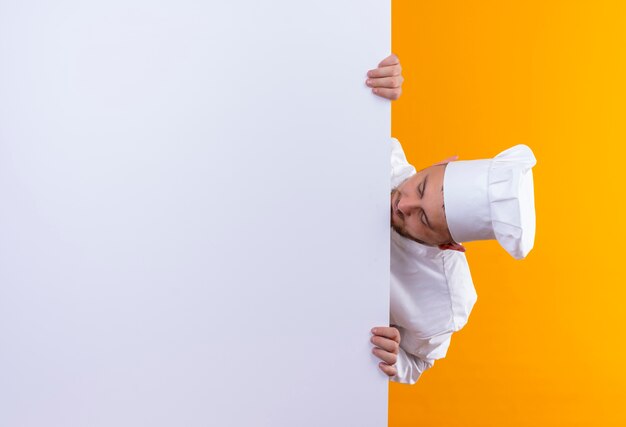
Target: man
point(432, 211)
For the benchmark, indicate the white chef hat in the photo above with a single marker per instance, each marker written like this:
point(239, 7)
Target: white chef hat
point(493, 199)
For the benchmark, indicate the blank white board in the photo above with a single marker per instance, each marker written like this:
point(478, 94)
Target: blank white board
point(193, 213)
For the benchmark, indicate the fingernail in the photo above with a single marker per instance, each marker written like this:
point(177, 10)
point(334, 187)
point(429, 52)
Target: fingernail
point(368, 81)
point(375, 90)
point(373, 330)
point(369, 74)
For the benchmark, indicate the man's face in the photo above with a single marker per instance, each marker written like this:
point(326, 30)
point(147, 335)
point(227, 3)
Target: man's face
point(417, 209)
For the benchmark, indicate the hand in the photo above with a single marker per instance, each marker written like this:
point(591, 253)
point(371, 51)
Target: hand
point(386, 80)
point(387, 342)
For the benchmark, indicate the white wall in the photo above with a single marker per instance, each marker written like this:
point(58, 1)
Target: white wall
point(193, 213)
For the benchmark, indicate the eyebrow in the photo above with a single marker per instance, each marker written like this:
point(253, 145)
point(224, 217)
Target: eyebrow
point(422, 196)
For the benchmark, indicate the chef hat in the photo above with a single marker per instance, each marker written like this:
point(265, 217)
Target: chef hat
point(493, 199)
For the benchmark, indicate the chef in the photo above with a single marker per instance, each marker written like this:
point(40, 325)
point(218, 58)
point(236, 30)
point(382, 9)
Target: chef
point(433, 211)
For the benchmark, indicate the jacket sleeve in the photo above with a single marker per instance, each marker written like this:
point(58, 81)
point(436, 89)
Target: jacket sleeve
point(416, 355)
point(410, 367)
point(432, 295)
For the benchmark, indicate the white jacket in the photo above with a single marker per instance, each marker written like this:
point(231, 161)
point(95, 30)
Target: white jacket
point(432, 293)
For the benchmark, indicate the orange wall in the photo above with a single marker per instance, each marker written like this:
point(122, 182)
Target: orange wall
point(546, 342)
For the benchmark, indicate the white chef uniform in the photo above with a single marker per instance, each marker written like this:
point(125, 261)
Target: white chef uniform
point(432, 293)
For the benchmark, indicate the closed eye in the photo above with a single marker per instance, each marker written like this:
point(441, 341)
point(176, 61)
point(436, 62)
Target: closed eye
point(424, 217)
point(420, 189)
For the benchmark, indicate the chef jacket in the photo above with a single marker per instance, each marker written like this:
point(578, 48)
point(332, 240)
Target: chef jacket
point(432, 293)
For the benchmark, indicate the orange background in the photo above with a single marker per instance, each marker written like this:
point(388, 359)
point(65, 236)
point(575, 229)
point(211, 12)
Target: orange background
point(545, 343)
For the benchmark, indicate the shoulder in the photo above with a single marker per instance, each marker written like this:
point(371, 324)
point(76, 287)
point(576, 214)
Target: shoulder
point(400, 167)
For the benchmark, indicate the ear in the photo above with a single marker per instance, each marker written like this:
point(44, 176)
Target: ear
point(452, 246)
point(446, 161)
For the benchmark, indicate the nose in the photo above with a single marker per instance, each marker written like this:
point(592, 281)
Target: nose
point(407, 204)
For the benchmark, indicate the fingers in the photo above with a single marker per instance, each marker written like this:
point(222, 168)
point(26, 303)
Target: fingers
point(392, 94)
point(390, 60)
point(390, 71)
point(387, 332)
point(386, 344)
point(388, 82)
point(388, 370)
point(385, 356)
